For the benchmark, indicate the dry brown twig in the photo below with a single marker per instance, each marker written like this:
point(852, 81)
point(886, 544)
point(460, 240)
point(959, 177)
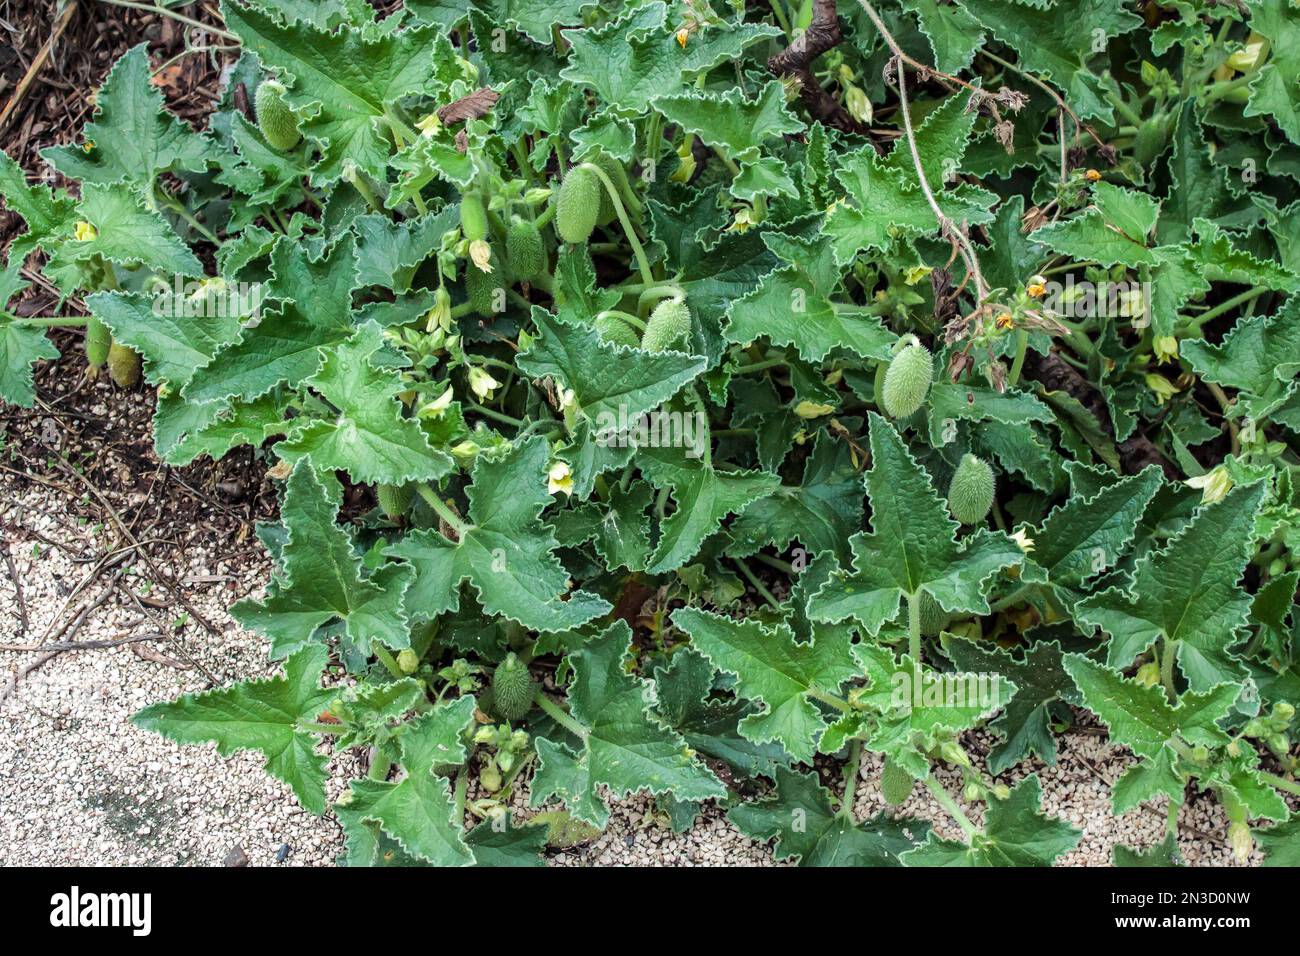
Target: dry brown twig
point(796, 60)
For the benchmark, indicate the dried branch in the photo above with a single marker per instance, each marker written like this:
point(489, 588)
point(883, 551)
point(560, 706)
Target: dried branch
point(796, 60)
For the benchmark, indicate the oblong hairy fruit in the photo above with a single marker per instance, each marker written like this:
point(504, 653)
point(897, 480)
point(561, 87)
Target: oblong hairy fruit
point(669, 324)
point(98, 340)
point(933, 618)
point(123, 365)
point(473, 217)
point(513, 688)
point(525, 253)
point(393, 500)
point(481, 286)
point(970, 495)
point(907, 381)
point(578, 205)
point(895, 783)
point(274, 118)
point(614, 330)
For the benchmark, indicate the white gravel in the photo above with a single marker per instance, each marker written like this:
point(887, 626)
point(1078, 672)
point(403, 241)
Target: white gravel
point(80, 785)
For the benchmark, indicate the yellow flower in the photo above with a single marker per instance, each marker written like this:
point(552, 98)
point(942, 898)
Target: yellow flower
point(1004, 321)
point(428, 125)
point(1166, 347)
point(1148, 674)
point(1161, 386)
point(1021, 537)
point(481, 382)
point(559, 478)
point(1092, 175)
point(807, 409)
point(439, 317)
point(435, 408)
point(1036, 290)
point(88, 146)
point(85, 232)
point(481, 254)
point(915, 274)
point(682, 34)
point(1214, 484)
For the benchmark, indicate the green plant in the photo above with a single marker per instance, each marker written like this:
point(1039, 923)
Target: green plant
point(835, 322)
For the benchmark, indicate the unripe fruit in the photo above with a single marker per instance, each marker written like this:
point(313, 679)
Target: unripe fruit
point(481, 287)
point(490, 777)
point(408, 662)
point(907, 381)
point(473, 217)
point(123, 365)
point(578, 205)
point(669, 325)
point(393, 500)
point(970, 496)
point(98, 340)
point(615, 331)
point(274, 118)
point(933, 618)
point(513, 688)
point(896, 783)
point(525, 253)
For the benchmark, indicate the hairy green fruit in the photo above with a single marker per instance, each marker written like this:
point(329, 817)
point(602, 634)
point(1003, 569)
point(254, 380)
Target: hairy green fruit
point(970, 495)
point(274, 118)
point(895, 783)
point(408, 662)
point(578, 205)
point(513, 688)
point(481, 287)
point(98, 341)
point(524, 250)
point(614, 330)
point(933, 618)
point(393, 500)
point(907, 381)
point(669, 325)
point(473, 217)
point(123, 365)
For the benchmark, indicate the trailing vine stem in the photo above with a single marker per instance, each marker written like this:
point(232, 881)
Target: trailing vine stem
point(643, 264)
point(851, 779)
point(561, 717)
point(954, 809)
point(439, 506)
point(914, 628)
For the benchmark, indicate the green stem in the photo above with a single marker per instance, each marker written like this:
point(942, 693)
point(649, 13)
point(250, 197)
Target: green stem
point(783, 566)
point(1281, 783)
point(440, 507)
point(758, 585)
point(385, 658)
point(954, 810)
point(655, 292)
point(1022, 344)
point(51, 321)
point(315, 728)
point(462, 788)
point(914, 627)
point(1010, 599)
point(492, 413)
point(851, 779)
point(830, 700)
point(545, 216)
point(643, 264)
point(1168, 651)
point(558, 714)
point(760, 366)
point(1194, 325)
point(179, 208)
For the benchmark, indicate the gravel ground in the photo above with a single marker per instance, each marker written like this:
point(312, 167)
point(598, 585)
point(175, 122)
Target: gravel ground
point(80, 785)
